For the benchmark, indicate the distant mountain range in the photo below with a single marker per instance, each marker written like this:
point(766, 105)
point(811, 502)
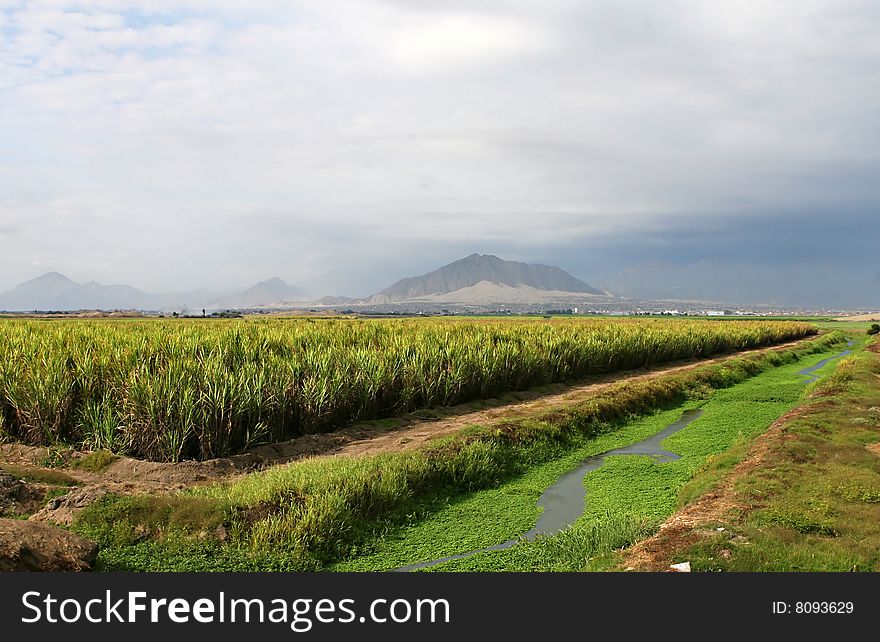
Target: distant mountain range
point(482, 278)
point(54, 291)
point(476, 279)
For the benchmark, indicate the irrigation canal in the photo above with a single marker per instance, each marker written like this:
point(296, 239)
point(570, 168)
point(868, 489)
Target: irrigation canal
point(565, 501)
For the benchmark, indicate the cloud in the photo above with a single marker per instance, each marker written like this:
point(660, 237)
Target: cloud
point(458, 42)
point(197, 141)
point(7, 231)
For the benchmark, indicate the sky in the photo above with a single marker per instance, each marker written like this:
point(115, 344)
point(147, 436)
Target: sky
point(716, 149)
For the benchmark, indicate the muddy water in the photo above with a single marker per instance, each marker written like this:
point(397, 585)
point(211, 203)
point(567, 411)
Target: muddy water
point(565, 500)
point(808, 372)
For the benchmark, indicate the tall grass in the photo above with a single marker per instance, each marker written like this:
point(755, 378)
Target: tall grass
point(171, 390)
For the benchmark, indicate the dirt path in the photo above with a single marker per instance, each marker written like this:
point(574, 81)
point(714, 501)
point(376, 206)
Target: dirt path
point(131, 476)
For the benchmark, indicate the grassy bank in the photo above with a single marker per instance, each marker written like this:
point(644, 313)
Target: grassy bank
point(815, 503)
point(313, 513)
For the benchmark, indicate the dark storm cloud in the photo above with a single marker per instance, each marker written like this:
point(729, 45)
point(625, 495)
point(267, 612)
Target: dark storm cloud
point(773, 239)
point(821, 259)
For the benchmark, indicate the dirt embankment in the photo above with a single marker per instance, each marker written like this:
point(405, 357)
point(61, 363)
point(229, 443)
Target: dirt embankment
point(696, 520)
point(690, 523)
point(129, 476)
point(28, 546)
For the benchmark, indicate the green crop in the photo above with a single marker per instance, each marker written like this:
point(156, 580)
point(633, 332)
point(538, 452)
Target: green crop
point(172, 390)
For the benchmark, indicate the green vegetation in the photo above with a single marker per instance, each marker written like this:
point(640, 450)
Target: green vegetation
point(95, 461)
point(874, 329)
point(313, 513)
point(176, 389)
point(471, 521)
point(816, 505)
point(629, 495)
point(39, 475)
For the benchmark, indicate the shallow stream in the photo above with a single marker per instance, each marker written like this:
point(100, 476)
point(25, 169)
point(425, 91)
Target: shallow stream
point(565, 501)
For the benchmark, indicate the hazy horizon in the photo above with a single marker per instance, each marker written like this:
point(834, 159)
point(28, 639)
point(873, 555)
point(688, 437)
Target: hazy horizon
point(712, 150)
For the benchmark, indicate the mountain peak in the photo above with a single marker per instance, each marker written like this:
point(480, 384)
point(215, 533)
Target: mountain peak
point(51, 277)
point(473, 258)
point(30, 295)
point(270, 291)
point(499, 275)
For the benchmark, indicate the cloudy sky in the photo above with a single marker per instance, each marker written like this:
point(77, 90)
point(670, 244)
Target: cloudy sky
point(705, 148)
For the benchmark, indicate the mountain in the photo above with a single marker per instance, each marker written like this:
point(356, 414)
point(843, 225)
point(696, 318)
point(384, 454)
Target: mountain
point(482, 278)
point(30, 294)
point(95, 296)
point(262, 294)
point(54, 291)
point(475, 279)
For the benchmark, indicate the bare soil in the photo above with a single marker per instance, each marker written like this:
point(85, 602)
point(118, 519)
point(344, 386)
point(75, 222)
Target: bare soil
point(27, 546)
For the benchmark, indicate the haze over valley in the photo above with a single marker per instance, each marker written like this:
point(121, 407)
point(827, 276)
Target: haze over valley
point(476, 279)
point(474, 284)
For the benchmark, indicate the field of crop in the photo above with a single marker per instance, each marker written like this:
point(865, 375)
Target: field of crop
point(314, 513)
point(172, 390)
